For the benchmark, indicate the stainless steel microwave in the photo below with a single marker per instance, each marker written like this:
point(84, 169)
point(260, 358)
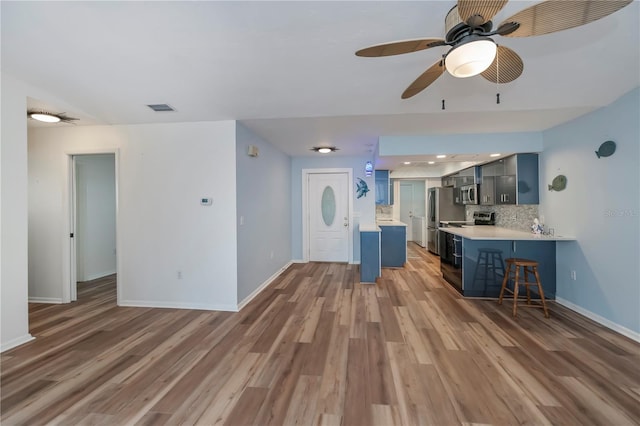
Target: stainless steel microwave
point(469, 194)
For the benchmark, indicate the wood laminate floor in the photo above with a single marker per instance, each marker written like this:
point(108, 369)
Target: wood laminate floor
point(318, 348)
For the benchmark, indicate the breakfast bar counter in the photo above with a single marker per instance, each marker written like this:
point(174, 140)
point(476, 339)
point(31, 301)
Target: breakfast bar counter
point(498, 233)
point(473, 257)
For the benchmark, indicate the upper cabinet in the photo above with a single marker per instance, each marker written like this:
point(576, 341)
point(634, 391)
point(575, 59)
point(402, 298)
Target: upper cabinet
point(383, 187)
point(511, 180)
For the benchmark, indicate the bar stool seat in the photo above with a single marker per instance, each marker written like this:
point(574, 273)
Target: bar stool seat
point(489, 268)
point(529, 268)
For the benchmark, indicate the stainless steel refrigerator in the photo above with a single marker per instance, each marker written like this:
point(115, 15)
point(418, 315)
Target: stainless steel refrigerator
point(440, 207)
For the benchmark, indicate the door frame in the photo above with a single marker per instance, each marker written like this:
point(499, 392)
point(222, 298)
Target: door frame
point(306, 215)
point(69, 289)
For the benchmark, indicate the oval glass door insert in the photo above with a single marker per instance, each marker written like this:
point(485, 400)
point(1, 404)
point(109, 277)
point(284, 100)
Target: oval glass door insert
point(328, 205)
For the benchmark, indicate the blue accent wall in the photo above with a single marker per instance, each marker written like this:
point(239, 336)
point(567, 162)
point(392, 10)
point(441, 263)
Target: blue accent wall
point(264, 202)
point(600, 206)
point(364, 208)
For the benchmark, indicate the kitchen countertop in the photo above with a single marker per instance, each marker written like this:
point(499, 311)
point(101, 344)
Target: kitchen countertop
point(390, 223)
point(496, 233)
point(369, 228)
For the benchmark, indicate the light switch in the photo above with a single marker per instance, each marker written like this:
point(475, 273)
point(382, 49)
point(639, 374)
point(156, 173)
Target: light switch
point(206, 201)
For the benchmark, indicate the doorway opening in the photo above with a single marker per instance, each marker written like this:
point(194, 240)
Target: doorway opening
point(93, 209)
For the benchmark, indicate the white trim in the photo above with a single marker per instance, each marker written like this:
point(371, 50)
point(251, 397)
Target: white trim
point(177, 305)
point(54, 300)
point(98, 275)
point(262, 286)
point(299, 261)
point(305, 210)
point(600, 320)
point(16, 342)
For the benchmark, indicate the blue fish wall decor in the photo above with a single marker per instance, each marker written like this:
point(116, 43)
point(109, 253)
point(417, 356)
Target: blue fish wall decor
point(361, 188)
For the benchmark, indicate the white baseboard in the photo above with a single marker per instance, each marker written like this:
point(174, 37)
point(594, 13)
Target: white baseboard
point(600, 320)
point(92, 277)
point(16, 342)
point(177, 305)
point(262, 286)
point(299, 261)
point(55, 300)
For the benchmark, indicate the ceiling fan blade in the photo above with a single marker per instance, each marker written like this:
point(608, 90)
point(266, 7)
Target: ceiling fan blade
point(400, 47)
point(506, 67)
point(486, 9)
point(425, 79)
point(554, 15)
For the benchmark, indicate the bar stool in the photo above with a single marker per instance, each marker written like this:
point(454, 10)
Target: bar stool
point(489, 267)
point(529, 267)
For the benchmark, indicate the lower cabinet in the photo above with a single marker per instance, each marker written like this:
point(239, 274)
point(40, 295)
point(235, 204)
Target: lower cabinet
point(393, 246)
point(483, 265)
point(369, 256)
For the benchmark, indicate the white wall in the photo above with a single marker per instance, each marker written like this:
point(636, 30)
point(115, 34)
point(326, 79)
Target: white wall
point(95, 232)
point(14, 317)
point(264, 204)
point(163, 171)
point(601, 207)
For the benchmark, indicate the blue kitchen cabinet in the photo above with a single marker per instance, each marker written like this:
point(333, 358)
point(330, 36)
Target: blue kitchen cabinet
point(369, 256)
point(511, 180)
point(393, 246)
point(382, 187)
point(483, 265)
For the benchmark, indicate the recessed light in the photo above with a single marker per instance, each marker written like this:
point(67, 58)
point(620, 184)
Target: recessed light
point(324, 149)
point(432, 162)
point(407, 162)
point(494, 155)
point(441, 156)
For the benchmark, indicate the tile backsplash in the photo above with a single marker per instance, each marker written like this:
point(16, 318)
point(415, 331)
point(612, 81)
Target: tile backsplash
point(384, 211)
point(512, 217)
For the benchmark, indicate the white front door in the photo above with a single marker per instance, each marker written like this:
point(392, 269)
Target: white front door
point(328, 209)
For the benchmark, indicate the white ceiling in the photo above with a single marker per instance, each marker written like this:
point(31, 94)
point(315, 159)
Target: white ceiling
point(287, 70)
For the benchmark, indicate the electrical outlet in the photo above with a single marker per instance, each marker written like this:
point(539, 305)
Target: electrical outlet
point(573, 275)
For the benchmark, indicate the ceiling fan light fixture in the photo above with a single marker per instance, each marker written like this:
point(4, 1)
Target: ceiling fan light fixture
point(471, 58)
point(45, 117)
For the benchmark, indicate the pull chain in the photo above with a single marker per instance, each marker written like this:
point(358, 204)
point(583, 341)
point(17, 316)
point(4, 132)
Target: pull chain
point(497, 75)
point(443, 105)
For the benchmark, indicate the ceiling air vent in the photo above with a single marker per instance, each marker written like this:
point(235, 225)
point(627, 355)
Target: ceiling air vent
point(161, 107)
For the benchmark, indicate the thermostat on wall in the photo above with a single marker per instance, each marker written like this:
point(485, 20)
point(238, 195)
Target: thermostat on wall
point(206, 201)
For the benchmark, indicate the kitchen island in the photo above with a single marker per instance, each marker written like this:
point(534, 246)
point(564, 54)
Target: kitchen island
point(381, 245)
point(473, 258)
point(393, 243)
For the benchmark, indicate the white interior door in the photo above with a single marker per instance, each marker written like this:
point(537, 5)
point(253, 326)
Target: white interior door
point(329, 225)
point(406, 207)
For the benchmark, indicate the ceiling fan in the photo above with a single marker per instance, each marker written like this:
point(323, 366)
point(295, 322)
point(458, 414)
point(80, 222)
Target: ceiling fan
point(469, 30)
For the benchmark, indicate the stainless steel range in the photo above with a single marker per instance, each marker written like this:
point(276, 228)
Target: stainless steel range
point(484, 218)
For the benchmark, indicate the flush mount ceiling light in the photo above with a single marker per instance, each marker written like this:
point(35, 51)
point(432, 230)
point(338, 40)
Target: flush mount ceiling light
point(431, 162)
point(324, 149)
point(49, 117)
point(471, 57)
point(407, 162)
point(441, 156)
